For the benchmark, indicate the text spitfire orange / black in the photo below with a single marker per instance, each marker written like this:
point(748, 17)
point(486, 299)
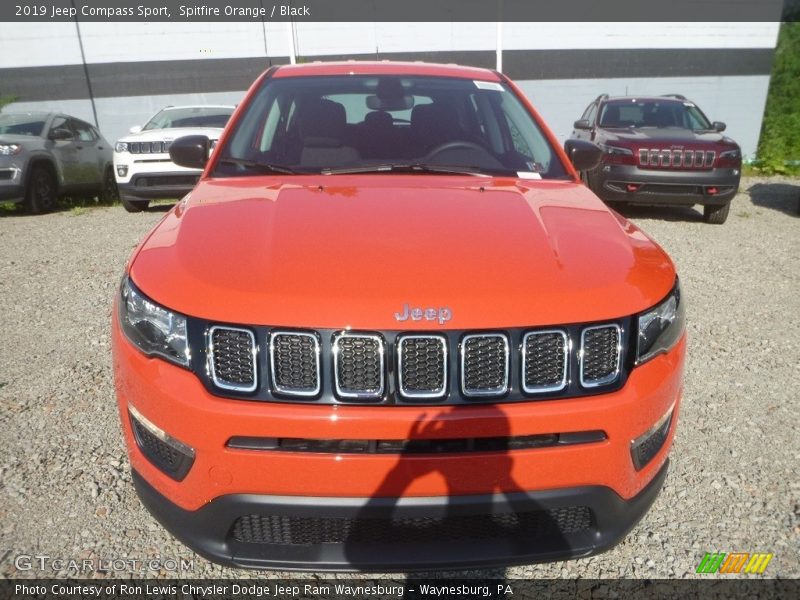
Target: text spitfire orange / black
point(390, 329)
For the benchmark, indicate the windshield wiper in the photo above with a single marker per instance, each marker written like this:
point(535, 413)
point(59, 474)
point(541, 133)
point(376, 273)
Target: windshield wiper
point(419, 168)
point(260, 166)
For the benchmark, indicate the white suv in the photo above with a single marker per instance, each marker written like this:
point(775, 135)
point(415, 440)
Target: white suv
point(142, 165)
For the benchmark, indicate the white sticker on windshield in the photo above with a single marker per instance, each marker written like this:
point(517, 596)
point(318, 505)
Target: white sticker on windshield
point(488, 85)
point(528, 175)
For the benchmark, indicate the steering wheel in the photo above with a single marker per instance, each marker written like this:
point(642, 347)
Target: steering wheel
point(453, 146)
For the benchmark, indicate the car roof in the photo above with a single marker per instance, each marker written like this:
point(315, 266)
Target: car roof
point(648, 98)
point(184, 106)
point(385, 67)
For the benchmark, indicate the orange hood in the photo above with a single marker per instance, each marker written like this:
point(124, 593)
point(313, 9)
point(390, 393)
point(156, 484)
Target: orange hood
point(351, 251)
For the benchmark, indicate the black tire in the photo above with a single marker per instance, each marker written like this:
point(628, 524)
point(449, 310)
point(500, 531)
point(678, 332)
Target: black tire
point(109, 193)
point(716, 215)
point(134, 206)
point(42, 193)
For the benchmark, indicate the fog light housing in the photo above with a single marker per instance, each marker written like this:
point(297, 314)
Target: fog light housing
point(122, 170)
point(646, 446)
point(169, 455)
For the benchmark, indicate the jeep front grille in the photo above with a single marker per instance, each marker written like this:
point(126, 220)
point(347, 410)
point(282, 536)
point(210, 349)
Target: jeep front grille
point(358, 361)
point(422, 366)
point(329, 366)
point(232, 358)
point(294, 363)
point(600, 355)
point(544, 361)
point(667, 158)
point(158, 147)
point(484, 365)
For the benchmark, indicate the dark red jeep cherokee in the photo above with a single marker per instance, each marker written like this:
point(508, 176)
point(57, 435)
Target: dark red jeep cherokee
point(660, 150)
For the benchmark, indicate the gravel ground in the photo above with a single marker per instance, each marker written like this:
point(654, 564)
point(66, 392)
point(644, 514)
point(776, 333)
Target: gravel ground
point(65, 488)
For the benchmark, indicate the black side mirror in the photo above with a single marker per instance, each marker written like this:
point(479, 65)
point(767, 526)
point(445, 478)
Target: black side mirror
point(718, 126)
point(61, 134)
point(584, 155)
point(582, 124)
point(190, 151)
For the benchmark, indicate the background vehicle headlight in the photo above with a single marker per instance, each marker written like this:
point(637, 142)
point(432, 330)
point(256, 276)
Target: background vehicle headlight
point(10, 149)
point(121, 147)
point(152, 328)
point(616, 150)
point(661, 326)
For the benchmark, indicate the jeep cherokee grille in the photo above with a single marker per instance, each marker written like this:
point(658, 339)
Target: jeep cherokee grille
point(677, 159)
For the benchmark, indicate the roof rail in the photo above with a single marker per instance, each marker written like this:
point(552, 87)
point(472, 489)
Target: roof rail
point(678, 96)
point(601, 97)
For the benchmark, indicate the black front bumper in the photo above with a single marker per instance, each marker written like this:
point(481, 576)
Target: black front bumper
point(390, 534)
point(154, 186)
point(665, 186)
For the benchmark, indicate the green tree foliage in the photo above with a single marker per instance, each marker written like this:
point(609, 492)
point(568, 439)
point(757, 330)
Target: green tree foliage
point(780, 132)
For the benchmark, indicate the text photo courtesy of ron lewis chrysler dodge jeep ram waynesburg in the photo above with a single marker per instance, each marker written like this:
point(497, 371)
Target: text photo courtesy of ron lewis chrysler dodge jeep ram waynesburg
point(390, 329)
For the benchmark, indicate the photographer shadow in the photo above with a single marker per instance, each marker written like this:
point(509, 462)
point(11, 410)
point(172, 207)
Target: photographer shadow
point(480, 534)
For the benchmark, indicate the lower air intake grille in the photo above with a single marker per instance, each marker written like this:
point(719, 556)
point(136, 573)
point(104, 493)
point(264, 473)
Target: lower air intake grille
point(358, 361)
point(232, 358)
point(544, 356)
point(294, 362)
point(600, 349)
point(166, 457)
point(307, 531)
point(423, 366)
point(484, 365)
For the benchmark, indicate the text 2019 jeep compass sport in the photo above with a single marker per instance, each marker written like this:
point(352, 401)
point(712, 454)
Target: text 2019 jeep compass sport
point(391, 329)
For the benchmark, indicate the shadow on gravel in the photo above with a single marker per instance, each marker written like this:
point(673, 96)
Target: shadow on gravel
point(665, 213)
point(783, 197)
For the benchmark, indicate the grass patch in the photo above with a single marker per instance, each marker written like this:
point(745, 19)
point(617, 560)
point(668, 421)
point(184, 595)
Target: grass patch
point(779, 144)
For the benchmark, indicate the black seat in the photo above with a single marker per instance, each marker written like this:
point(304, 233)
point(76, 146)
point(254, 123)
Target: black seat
point(322, 129)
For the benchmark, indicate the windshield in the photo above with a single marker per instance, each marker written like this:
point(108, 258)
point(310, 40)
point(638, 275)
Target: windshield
point(22, 124)
point(653, 113)
point(195, 116)
point(361, 123)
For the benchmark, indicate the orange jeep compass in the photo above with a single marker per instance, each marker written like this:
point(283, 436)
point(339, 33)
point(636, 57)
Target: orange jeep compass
point(390, 329)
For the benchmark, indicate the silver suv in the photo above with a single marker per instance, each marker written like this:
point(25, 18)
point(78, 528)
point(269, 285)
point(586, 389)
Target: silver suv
point(47, 155)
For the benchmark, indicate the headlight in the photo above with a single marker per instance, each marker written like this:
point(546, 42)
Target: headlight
point(618, 150)
point(661, 326)
point(10, 149)
point(121, 147)
point(731, 154)
point(152, 328)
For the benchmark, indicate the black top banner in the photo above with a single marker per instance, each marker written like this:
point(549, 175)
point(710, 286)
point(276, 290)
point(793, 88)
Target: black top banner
point(393, 10)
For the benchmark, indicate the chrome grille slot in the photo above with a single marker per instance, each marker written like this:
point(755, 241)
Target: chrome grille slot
point(544, 361)
point(484, 364)
point(232, 358)
point(601, 346)
point(710, 156)
point(688, 158)
point(294, 363)
point(644, 157)
point(358, 362)
point(422, 366)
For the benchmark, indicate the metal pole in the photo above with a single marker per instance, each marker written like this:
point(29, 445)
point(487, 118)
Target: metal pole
point(292, 58)
point(85, 67)
point(499, 46)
